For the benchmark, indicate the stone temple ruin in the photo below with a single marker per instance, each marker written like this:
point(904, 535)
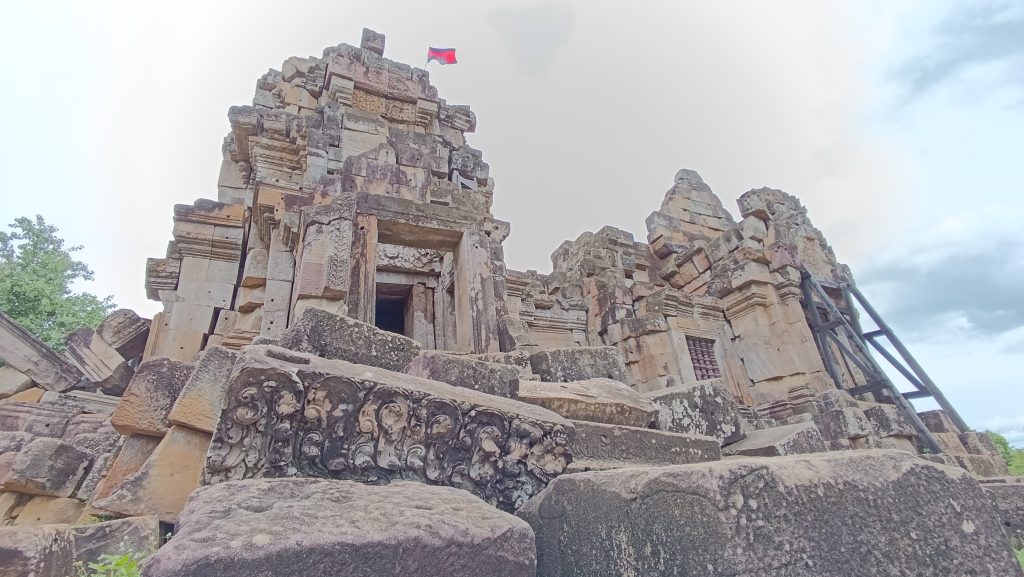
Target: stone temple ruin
point(346, 377)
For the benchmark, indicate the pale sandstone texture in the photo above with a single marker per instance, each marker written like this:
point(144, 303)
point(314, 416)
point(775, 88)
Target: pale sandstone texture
point(597, 447)
point(198, 404)
point(54, 550)
point(491, 378)
point(163, 482)
point(146, 403)
point(700, 408)
point(289, 414)
point(597, 400)
point(578, 364)
point(795, 439)
point(42, 466)
point(316, 528)
point(338, 337)
point(794, 516)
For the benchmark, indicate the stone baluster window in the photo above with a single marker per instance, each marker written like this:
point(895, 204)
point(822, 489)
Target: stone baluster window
point(702, 354)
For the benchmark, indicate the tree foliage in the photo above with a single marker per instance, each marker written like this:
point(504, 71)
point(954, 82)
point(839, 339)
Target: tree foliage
point(36, 274)
point(1014, 457)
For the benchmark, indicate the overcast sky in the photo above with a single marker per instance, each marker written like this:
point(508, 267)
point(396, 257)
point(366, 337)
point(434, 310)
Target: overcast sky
point(898, 123)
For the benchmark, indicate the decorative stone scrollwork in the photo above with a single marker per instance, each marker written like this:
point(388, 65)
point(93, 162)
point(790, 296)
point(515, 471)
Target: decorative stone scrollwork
point(371, 425)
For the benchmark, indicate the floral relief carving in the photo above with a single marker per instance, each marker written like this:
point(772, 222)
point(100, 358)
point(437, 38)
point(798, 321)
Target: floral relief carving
point(282, 423)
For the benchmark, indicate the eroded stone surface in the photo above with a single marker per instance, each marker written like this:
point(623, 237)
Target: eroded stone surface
point(293, 414)
point(198, 404)
point(578, 364)
point(737, 517)
point(700, 408)
point(598, 446)
point(313, 527)
point(597, 400)
point(795, 439)
point(462, 371)
point(330, 336)
point(43, 466)
point(148, 400)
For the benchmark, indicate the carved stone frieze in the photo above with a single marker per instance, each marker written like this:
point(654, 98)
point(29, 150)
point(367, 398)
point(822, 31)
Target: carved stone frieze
point(288, 414)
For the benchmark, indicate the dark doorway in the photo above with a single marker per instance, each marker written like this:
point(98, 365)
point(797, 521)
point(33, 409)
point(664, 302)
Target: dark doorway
point(390, 307)
point(391, 315)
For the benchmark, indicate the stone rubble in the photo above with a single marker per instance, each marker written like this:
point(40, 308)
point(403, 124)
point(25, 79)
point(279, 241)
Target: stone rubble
point(344, 367)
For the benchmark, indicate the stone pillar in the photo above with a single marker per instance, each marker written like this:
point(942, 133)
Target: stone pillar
point(363, 286)
point(476, 326)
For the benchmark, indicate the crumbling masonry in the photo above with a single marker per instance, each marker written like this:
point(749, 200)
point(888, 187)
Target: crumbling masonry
point(340, 337)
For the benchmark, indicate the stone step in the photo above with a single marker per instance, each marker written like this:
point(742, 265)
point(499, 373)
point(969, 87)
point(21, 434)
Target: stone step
point(802, 516)
point(599, 447)
point(796, 439)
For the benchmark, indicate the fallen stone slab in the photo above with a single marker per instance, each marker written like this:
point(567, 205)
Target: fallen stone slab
point(795, 439)
point(30, 356)
point(598, 446)
point(148, 400)
point(331, 336)
point(462, 371)
point(54, 550)
point(163, 482)
point(13, 381)
point(294, 414)
point(198, 404)
point(40, 510)
point(42, 420)
point(125, 331)
point(700, 408)
point(804, 516)
point(596, 400)
point(99, 362)
point(578, 364)
point(43, 466)
point(1007, 495)
point(316, 528)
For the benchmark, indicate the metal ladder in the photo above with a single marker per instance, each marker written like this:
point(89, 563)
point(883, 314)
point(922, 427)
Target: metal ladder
point(851, 343)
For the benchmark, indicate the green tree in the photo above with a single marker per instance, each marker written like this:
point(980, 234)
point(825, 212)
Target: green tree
point(1002, 445)
point(36, 274)
point(1014, 457)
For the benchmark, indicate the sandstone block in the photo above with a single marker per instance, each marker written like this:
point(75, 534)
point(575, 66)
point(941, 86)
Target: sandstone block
point(13, 382)
point(1008, 499)
point(983, 465)
point(578, 364)
point(30, 356)
point(596, 400)
point(462, 371)
point(125, 331)
point(845, 423)
point(598, 446)
point(793, 516)
point(198, 405)
point(38, 419)
point(937, 422)
point(161, 485)
point(150, 396)
point(41, 510)
point(323, 334)
point(887, 421)
point(313, 527)
point(700, 408)
point(133, 453)
point(54, 550)
point(43, 466)
point(97, 360)
point(289, 414)
point(796, 439)
point(978, 443)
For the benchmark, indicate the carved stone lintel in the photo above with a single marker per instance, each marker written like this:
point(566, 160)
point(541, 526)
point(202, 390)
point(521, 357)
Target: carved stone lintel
point(288, 414)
